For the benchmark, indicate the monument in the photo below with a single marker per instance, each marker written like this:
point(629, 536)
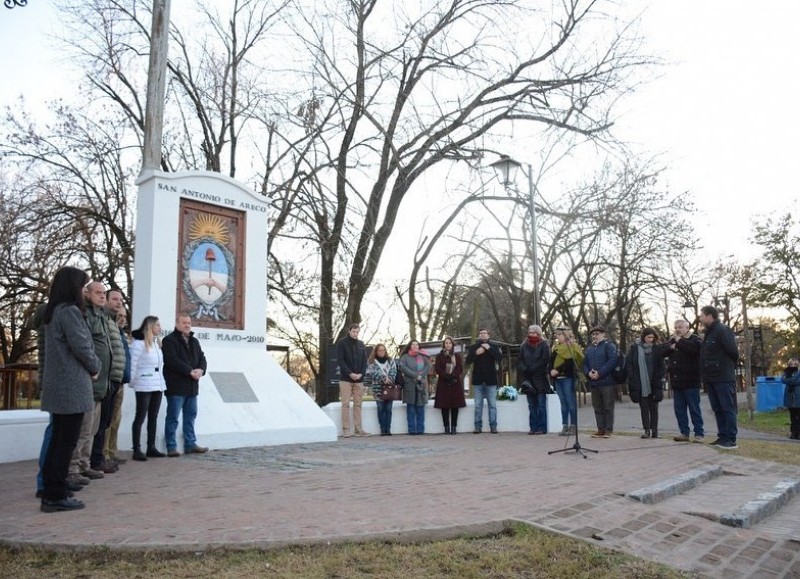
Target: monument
point(201, 250)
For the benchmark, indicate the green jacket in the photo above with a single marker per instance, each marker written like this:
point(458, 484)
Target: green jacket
point(117, 350)
point(97, 319)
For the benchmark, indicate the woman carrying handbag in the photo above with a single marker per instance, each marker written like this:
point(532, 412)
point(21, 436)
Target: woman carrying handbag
point(382, 372)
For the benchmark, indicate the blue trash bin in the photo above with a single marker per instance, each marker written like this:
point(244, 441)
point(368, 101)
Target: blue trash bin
point(769, 393)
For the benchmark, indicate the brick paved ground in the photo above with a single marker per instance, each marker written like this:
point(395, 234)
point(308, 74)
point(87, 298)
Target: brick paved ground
point(443, 484)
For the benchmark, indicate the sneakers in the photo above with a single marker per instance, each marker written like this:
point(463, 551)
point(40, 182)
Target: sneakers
point(92, 474)
point(68, 504)
point(196, 450)
point(362, 433)
point(681, 438)
point(173, 453)
point(607, 434)
point(565, 431)
point(727, 445)
point(699, 439)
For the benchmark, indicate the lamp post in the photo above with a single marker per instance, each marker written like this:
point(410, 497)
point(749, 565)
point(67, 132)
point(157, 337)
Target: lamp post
point(506, 169)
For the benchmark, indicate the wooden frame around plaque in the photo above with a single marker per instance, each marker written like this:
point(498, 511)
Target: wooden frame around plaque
point(211, 265)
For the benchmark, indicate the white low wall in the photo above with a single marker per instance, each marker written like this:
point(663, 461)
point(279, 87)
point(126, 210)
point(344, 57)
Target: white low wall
point(511, 416)
point(21, 433)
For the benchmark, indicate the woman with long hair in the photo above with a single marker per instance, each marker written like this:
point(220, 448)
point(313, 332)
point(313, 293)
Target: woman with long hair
point(645, 370)
point(414, 365)
point(382, 371)
point(449, 369)
point(70, 366)
point(147, 381)
point(566, 359)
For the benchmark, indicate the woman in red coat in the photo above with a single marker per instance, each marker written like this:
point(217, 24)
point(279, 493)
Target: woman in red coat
point(450, 385)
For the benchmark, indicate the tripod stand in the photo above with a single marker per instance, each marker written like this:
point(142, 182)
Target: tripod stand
point(576, 447)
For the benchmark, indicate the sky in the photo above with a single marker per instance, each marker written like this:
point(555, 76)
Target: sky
point(721, 115)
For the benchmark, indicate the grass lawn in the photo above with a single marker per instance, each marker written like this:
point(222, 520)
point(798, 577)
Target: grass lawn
point(521, 552)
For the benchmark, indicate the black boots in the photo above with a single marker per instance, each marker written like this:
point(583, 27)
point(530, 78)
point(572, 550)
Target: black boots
point(139, 455)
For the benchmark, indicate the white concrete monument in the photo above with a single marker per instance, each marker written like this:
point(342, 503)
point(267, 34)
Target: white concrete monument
point(201, 249)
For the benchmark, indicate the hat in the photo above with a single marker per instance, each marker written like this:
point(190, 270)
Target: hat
point(598, 329)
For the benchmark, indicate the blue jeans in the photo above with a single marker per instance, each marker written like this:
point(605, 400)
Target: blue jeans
point(176, 405)
point(722, 396)
point(416, 418)
point(565, 388)
point(688, 400)
point(537, 412)
point(48, 436)
point(385, 415)
point(490, 393)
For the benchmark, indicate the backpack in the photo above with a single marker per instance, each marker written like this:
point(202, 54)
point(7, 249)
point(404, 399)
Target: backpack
point(619, 373)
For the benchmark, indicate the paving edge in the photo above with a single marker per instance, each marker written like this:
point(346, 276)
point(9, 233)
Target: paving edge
point(675, 485)
point(762, 506)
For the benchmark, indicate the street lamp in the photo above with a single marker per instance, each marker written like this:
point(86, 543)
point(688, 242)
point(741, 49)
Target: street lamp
point(506, 170)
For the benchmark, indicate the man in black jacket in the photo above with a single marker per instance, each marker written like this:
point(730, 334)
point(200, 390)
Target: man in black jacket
point(684, 377)
point(719, 355)
point(351, 354)
point(184, 365)
point(484, 357)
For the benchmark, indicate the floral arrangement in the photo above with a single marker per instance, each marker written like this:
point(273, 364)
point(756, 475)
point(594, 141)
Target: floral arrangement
point(507, 393)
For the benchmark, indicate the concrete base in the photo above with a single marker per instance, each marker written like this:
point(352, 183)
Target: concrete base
point(511, 416)
point(283, 413)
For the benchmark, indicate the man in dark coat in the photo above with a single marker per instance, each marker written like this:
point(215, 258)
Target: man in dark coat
point(184, 365)
point(719, 355)
point(484, 356)
point(351, 354)
point(683, 365)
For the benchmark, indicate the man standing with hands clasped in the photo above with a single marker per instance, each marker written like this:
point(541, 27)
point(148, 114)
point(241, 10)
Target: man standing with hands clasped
point(184, 365)
point(484, 357)
point(351, 354)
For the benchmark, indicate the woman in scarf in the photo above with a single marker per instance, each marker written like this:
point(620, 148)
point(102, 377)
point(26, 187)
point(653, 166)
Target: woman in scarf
point(449, 385)
point(645, 370)
point(382, 371)
point(415, 365)
point(566, 360)
point(534, 358)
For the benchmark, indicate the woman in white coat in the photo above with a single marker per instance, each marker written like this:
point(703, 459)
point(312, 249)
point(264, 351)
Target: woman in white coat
point(147, 380)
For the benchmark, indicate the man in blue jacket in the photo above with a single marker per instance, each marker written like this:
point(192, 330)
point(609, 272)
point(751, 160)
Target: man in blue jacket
point(598, 363)
point(719, 355)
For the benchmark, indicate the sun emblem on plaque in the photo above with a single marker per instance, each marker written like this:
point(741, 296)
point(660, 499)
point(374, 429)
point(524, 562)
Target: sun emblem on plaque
point(208, 266)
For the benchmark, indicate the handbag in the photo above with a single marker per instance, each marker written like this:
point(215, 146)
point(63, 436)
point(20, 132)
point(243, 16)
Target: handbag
point(391, 392)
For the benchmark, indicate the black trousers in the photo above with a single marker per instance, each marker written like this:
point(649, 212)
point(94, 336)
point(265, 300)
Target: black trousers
point(794, 417)
point(450, 417)
point(147, 406)
point(649, 408)
point(106, 412)
point(66, 431)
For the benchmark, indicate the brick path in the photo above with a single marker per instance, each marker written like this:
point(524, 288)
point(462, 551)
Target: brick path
point(444, 485)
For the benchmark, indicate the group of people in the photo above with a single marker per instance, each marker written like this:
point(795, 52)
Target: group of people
point(85, 359)
point(689, 360)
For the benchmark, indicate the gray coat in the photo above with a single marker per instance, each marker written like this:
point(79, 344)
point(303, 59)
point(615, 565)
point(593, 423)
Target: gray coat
point(415, 393)
point(69, 364)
